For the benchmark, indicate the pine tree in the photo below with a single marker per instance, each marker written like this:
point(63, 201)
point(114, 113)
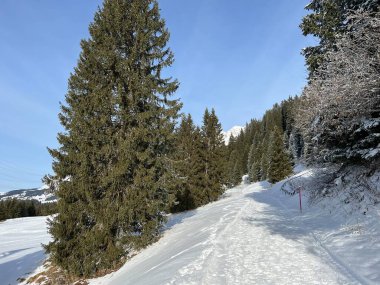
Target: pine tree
point(214, 144)
point(339, 109)
point(233, 174)
point(118, 120)
point(254, 160)
point(199, 181)
point(236, 173)
point(254, 173)
point(251, 153)
point(186, 171)
point(279, 161)
point(329, 19)
point(264, 160)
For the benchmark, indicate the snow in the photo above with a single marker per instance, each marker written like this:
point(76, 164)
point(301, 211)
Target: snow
point(38, 194)
point(234, 131)
point(245, 179)
point(253, 235)
point(372, 153)
point(256, 235)
point(20, 247)
point(299, 168)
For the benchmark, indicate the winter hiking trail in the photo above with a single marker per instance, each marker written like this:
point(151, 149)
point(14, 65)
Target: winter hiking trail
point(254, 235)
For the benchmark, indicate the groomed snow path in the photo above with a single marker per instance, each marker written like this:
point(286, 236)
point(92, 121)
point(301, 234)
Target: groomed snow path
point(255, 235)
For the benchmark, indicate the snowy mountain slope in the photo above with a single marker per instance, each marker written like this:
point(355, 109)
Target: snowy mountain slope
point(253, 235)
point(20, 247)
point(29, 194)
point(234, 131)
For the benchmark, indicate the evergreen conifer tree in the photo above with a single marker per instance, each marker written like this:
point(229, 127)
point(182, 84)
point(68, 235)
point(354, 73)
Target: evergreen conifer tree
point(236, 173)
point(233, 171)
point(279, 165)
point(118, 120)
point(254, 160)
point(214, 159)
point(199, 182)
point(254, 173)
point(264, 161)
point(329, 19)
point(188, 160)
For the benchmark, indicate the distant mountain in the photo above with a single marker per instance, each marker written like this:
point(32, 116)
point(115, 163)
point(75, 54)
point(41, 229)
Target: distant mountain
point(234, 131)
point(29, 194)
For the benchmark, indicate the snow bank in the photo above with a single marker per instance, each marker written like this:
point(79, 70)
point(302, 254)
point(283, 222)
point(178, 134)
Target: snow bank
point(347, 236)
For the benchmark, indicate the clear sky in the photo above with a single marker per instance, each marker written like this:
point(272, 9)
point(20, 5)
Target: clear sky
point(239, 57)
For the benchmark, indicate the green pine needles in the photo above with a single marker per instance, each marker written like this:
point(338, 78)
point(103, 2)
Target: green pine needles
point(198, 163)
point(111, 165)
point(279, 161)
point(214, 155)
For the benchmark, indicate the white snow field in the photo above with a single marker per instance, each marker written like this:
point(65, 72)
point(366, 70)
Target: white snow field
point(253, 235)
point(20, 247)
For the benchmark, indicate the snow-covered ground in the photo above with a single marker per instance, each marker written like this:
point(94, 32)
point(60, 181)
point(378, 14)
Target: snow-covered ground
point(38, 194)
point(254, 235)
point(20, 247)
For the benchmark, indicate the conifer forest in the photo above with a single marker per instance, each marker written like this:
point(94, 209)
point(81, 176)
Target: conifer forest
point(128, 157)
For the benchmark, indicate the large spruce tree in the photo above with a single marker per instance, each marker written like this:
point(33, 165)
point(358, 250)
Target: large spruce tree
point(118, 121)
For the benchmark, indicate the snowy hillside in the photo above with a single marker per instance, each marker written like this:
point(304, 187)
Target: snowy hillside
point(20, 247)
point(234, 131)
point(29, 194)
point(254, 235)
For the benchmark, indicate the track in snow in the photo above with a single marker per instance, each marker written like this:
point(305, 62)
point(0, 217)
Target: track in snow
point(253, 236)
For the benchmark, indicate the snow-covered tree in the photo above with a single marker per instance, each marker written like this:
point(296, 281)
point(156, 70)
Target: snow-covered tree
point(327, 20)
point(340, 111)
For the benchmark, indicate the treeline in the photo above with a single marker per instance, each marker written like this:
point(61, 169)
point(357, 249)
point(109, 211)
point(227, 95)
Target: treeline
point(336, 120)
point(14, 208)
point(266, 148)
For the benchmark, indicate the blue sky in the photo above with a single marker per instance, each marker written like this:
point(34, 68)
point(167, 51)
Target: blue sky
point(239, 57)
